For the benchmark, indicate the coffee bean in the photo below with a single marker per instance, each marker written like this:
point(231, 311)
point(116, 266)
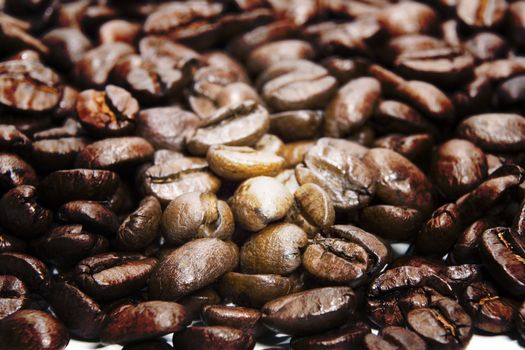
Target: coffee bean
point(274, 52)
point(92, 215)
point(129, 323)
point(465, 249)
point(311, 311)
point(140, 228)
point(296, 125)
point(81, 315)
point(56, 154)
point(248, 320)
point(391, 222)
point(196, 215)
point(32, 329)
point(195, 302)
point(11, 139)
point(487, 46)
point(394, 116)
point(13, 295)
point(347, 336)
point(193, 266)
point(11, 244)
point(213, 338)
point(480, 14)
point(418, 18)
point(14, 171)
point(259, 201)
point(413, 147)
point(274, 250)
point(33, 272)
point(351, 107)
point(118, 30)
point(255, 290)
point(67, 46)
point(109, 276)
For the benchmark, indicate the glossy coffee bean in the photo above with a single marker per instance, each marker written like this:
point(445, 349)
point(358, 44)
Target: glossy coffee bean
point(140, 228)
point(195, 302)
point(479, 14)
point(193, 266)
point(109, 276)
point(465, 249)
point(11, 139)
point(67, 46)
point(266, 55)
point(14, 171)
point(213, 338)
point(414, 147)
point(419, 18)
point(391, 222)
point(243, 318)
point(94, 216)
point(311, 311)
point(13, 295)
point(11, 244)
point(296, 125)
point(394, 337)
point(130, 323)
point(33, 329)
point(196, 215)
point(348, 335)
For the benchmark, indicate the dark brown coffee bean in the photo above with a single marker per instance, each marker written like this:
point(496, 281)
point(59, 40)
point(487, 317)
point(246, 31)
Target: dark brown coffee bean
point(409, 187)
point(22, 214)
point(63, 186)
point(213, 338)
point(196, 215)
point(347, 336)
point(351, 181)
point(110, 112)
point(503, 259)
point(256, 290)
point(274, 250)
point(465, 249)
point(414, 147)
point(480, 14)
point(140, 228)
point(115, 153)
point(29, 86)
point(11, 244)
point(32, 329)
point(444, 324)
point(351, 107)
point(11, 139)
point(93, 69)
point(14, 171)
point(166, 127)
point(13, 295)
point(70, 128)
point(511, 92)
point(266, 55)
point(195, 302)
point(458, 167)
point(417, 18)
point(67, 245)
point(169, 180)
point(259, 201)
point(473, 98)
point(110, 276)
point(33, 272)
point(240, 125)
point(313, 209)
point(193, 266)
point(391, 222)
point(56, 154)
point(427, 98)
point(296, 125)
point(394, 338)
point(66, 46)
point(248, 320)
point(93, 216)
point(81, 315)
point(129, 323)
point(394, 116)
point(487, 46)
point(311, 311)
point(345, 69)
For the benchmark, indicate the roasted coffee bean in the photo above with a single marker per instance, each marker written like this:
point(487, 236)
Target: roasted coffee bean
point(394, 338)
point(167, 181)
point(22, 214)
point(166, 127)
point(312, 210)
point(193, 266)
point(266, 55)
point(111, 112)
point(479, 14)
point(457, 167)
point(213, 338)
point(240, 125)
point(63, 186)
point(56, 154)
point(418, 18)
point(256, 290)
point(487, 46)
point(398, 117)
point(294, 153)
point(490, 312)
point(11, 244)
point(129, 323)
point(11, 139)
point(115, 153)
point(413, 147)
point(196, 215)
point(80, 314)
point(195, 302)
point(346, 336)
point(274, 250)
point(465, 249)
point(32, 329)
point(351, 107)
point(503, 258)
point(118, 30)
point(93, 69)
point(399, 181)
point(301, 86)
point(511, 92)
point(494, 132)
point(29, 86)
point(110, 276)
point(66, 46)
point(443, 323)
point(140, 228)
point(391, 222)
point(249, 320)
point(14, 171)
point(296, 125)
point(13, 295)
point(259, 201)
point(33, 272)
point(311, 311)
point(346, 179)
point(94, 216)
point(67, 245)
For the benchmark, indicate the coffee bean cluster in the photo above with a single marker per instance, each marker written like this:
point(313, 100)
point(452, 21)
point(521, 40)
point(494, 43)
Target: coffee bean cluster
point(225, 171)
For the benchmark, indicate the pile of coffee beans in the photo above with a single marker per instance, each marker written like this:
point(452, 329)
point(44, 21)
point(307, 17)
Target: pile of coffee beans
point(225, 172)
